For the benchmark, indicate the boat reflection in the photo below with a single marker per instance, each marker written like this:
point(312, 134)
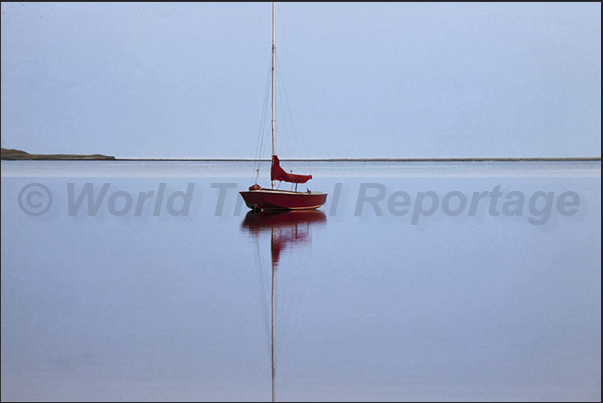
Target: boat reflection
point(287, 229)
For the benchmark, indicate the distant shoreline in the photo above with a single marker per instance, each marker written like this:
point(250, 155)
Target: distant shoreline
point(19, 155)
point(14, 155)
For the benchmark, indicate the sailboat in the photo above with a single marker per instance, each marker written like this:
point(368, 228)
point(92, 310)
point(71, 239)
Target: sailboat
point(257, 198)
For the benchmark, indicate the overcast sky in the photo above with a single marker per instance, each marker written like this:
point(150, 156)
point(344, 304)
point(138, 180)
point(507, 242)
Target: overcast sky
point(384, 80)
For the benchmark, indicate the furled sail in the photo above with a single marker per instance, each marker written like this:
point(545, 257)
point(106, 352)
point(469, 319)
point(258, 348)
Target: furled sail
point(278, 174)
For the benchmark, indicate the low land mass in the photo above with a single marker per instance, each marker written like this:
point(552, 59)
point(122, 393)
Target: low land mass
point(11, 154)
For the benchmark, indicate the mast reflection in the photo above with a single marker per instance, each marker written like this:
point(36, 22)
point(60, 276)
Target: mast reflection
point(287, 229)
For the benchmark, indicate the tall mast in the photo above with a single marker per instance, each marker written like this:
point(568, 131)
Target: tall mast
point(273, 59)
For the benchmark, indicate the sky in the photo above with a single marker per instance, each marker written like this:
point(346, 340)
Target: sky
point(354, 80)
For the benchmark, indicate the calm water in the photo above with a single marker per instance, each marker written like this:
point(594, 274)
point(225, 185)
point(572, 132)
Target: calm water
point(150, 281)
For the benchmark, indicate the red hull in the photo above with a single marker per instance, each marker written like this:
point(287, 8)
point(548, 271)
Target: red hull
point(267, 199)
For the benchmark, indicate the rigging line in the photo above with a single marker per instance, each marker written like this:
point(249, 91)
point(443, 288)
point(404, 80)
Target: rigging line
point(259, 148)
point(288, 108)
point(266, 107)
point(264, 112)
point(257, 151)
point(284, 133)
point(280, 122)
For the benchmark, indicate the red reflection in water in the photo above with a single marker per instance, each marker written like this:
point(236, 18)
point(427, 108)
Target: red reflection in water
point(287, 228)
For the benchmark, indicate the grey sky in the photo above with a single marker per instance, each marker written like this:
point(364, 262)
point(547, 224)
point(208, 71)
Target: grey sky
point(390, 80)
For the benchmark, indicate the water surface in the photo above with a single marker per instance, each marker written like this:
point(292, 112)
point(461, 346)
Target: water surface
point(171, 299)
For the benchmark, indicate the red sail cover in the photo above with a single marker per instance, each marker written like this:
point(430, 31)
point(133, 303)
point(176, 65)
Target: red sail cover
point(278, 174)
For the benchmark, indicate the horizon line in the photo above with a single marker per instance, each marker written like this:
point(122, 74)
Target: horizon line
point(455, 159)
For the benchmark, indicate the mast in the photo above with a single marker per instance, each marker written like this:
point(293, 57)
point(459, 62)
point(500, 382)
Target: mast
point(273, 59)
